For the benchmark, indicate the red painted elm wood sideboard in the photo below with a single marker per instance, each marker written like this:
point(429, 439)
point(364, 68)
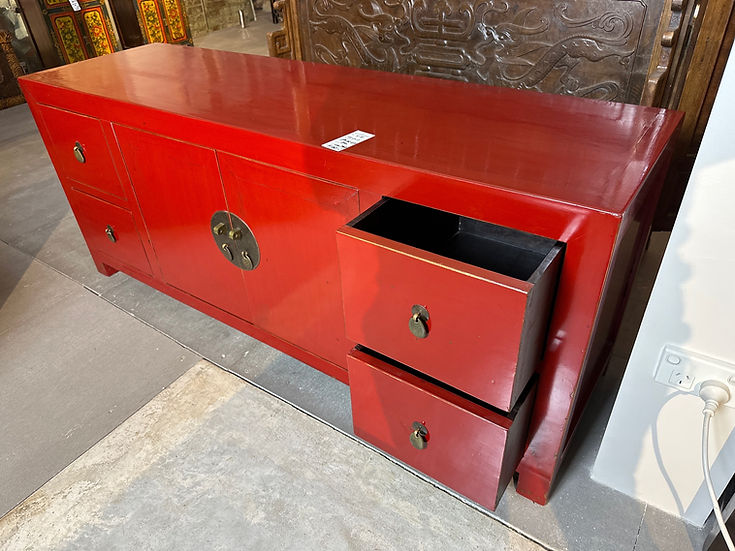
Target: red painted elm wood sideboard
point(464, 270)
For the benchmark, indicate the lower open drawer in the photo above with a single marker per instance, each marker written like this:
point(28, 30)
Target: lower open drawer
point(460, 442)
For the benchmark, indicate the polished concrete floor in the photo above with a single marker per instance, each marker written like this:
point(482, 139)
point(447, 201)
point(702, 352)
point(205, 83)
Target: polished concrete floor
point(266, 459)
point(214, 463)
point(250, 40)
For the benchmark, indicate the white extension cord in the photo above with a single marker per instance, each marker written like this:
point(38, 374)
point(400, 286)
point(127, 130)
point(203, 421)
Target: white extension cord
point(714, 394)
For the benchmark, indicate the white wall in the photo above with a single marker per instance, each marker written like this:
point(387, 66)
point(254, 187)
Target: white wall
point(651, 447)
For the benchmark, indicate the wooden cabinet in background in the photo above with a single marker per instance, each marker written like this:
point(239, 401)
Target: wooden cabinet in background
point(662, 53)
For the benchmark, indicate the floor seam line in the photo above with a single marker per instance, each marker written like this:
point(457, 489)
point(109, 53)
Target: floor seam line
point(100, 439)
point(640, 526)
point(54, 268)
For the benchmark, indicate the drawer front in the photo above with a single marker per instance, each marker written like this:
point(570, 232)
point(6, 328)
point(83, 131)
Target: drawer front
point(484, 333)
point(469, 448)
point(80, 150)
point(109, 229)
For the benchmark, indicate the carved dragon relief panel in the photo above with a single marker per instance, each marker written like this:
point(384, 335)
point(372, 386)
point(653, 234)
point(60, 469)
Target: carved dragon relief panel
point(591, 48)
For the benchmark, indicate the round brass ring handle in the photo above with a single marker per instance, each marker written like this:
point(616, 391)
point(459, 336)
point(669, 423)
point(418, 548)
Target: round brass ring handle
point(79, 153)
point(418, 322)
point(235, 240)
point(419, 436)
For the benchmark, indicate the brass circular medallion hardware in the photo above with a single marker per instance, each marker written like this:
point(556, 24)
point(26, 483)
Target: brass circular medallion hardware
point(110, 233)
point(235, 240)
point(418, 323)
point(79, 153)
point(419, 436)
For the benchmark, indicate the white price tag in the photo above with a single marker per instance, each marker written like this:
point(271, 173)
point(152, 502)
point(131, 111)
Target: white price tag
point(348, 140)
point(75, 5)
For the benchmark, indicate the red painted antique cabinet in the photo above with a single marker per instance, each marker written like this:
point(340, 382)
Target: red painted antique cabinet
point(464, 270)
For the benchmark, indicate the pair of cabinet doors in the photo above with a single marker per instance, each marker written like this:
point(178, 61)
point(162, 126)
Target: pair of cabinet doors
point(294, 292)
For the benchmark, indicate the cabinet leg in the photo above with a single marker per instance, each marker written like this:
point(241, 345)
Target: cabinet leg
point(533, 486)
point(104, 269)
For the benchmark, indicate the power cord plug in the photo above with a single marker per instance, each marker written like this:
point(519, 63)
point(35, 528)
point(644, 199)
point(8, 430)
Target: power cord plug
point(714, 394)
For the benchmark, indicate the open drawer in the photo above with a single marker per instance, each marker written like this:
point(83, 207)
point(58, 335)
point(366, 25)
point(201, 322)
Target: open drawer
point(465, 302)
point(456, 440)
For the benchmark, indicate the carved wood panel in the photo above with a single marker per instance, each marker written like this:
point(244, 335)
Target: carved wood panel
point(10, 70)
point(594, 48)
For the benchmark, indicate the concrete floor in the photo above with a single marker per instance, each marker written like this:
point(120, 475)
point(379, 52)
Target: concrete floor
point(81, 353)
point(250, 40)
point(213, 462)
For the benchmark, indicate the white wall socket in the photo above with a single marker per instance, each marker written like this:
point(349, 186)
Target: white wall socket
point(685, 371)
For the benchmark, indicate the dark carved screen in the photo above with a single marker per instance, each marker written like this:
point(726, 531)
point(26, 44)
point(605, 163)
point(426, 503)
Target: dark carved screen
point(595, 48)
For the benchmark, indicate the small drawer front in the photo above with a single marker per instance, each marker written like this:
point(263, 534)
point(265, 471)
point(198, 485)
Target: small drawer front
point(80, 150)
point(109, 229)
point(469, 448)
point(476, 330)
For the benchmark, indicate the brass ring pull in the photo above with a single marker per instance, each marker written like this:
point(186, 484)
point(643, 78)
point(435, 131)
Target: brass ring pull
point(110, 233)
point(247, 262)
point(419, 436)
point(418, 322)
point(79, 153)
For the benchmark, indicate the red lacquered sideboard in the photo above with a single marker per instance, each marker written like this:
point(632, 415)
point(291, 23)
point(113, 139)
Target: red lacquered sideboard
point(464, 270)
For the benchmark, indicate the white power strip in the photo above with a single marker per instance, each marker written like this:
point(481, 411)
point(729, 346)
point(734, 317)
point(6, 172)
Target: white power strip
point(686, 370)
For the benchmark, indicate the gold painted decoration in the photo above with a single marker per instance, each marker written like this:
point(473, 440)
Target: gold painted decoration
point(70, 38)
point(152, 20)
point(174, 16)
point(97, 31)
point(82, 34)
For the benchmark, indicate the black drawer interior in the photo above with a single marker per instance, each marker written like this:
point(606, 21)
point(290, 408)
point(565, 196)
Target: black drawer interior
point(503, 250)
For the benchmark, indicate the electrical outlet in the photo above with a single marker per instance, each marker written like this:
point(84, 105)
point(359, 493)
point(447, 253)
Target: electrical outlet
point(685, 371)
point(681, 379)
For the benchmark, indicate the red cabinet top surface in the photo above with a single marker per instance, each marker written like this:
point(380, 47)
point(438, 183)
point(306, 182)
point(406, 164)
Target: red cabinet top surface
point(583, 152)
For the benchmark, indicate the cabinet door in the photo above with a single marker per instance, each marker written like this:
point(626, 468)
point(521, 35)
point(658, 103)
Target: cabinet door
point(296, 292)
point(164, 21)
point(178, 188)
point(80, 34)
